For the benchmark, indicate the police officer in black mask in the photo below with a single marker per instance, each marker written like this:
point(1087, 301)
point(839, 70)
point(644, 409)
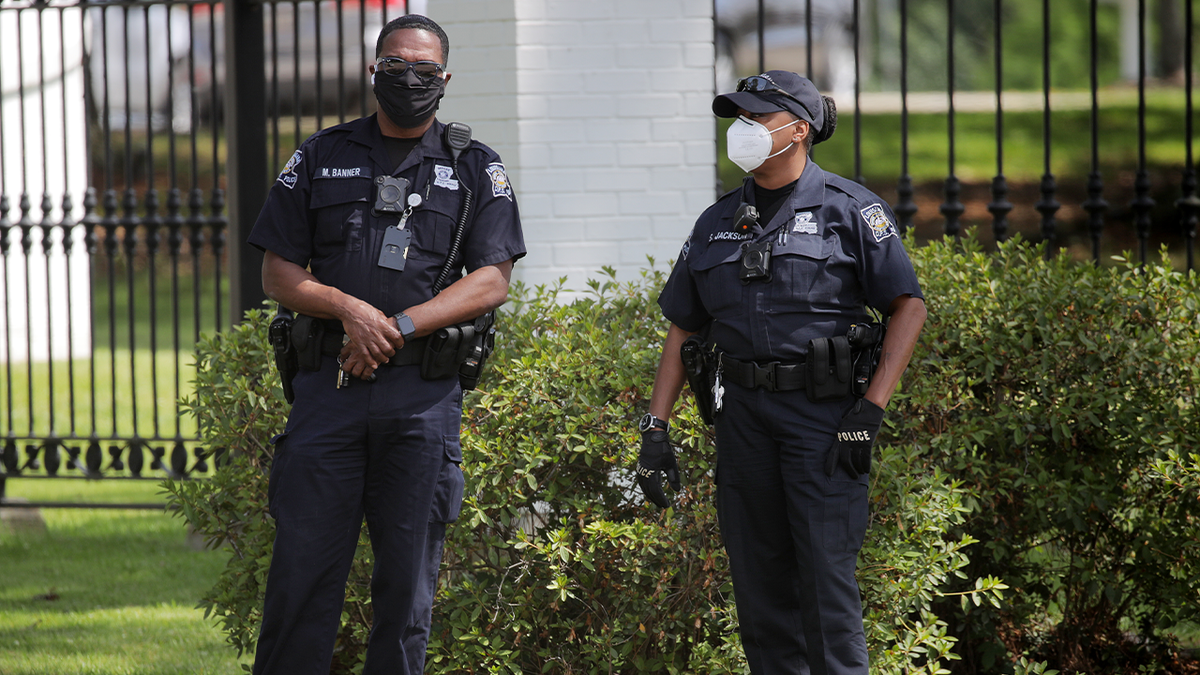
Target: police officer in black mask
point(357, 233)
point(408, 94)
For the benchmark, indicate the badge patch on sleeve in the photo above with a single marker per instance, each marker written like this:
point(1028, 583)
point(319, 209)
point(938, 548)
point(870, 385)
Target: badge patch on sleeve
point(687, 246)
point(289, 176)
point(879, 223)
point(443, 177)
point(500, 186)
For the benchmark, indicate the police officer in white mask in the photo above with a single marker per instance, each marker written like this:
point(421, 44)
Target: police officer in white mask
point(774, 275)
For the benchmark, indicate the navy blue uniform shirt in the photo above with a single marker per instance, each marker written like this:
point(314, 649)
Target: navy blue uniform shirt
point(319, 213)
point(835, 251)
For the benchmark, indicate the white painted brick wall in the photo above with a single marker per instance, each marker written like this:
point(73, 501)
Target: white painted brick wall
point(601, 111)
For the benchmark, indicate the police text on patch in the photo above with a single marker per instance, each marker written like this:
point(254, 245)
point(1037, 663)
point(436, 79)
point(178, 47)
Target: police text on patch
point(881, 226)
point(289, 176)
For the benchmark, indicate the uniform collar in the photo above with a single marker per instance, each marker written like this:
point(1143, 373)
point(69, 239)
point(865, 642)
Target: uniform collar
point(808, 195)
point(368, 134)
point(810, 189)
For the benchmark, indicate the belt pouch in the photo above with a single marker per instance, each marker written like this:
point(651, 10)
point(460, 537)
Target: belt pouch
point(829, 369)
point(441, 353)
point(466, 341)
point(307, 335)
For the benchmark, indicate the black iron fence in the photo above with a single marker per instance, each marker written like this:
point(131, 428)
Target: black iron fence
point(1077, 53)
point(115, 159)
point(124, 123)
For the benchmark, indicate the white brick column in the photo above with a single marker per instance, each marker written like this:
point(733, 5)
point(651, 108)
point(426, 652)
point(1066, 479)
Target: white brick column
point(602, 112)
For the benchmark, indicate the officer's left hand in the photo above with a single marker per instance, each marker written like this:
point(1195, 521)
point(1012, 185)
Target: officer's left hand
point(372, 338)
point(657, 456)
point(852, 449)
point(353, 361)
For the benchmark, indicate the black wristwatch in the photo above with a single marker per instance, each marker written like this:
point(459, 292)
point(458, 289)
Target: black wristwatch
point(649, 421)
point(405, 326)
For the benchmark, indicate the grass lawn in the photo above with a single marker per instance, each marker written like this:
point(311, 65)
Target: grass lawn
point(106, 591)
point(104, 389)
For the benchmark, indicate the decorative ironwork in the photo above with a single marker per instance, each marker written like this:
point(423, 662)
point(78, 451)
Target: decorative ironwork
point(951, 209)
point(1095, 205)
point(905, 208)
point(999, 206)
point(1142, 203)
point(1048, 206)
point(1189, 203)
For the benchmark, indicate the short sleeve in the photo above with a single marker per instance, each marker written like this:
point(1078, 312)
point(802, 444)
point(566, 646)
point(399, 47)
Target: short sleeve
point(680, 298)
point(884, 265)
point(284, 225)
point(495, 234)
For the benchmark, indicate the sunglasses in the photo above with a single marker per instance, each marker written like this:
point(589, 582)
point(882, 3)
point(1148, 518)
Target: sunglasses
point(757, 84)
point(425, 70)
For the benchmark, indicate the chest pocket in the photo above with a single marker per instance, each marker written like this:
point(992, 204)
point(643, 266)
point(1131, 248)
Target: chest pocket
point(340, 206)
point(715, 271)
point(806, 272)
point(432, 225)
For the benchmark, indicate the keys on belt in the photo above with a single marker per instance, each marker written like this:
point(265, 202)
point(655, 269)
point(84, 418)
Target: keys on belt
point(773, 376)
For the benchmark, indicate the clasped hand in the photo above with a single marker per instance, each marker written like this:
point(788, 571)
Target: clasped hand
point(372, 340)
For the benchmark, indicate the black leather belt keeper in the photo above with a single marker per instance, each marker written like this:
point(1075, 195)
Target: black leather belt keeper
point(773, 376)
point(411, 354)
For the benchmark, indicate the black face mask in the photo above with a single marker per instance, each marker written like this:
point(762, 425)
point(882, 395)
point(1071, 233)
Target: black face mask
point(407, 100)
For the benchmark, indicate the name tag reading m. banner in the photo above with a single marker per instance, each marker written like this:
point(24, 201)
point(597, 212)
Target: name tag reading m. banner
point(395, 249)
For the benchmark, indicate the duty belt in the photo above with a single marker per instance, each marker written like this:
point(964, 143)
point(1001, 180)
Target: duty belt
point(411, 354)
point(773, 376)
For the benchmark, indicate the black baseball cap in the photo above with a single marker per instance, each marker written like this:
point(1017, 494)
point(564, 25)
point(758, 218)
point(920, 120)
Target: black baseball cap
point(772, 91)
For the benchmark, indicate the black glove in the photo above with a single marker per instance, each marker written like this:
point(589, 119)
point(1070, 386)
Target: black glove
point(657, 456)
point(852, 449)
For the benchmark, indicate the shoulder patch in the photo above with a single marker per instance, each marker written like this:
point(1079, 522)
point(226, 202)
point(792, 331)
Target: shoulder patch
point(500, 186)
point(687, 245)
point(289, 176)
point(881, 226)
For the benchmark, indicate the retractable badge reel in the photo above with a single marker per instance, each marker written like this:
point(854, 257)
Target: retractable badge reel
point(396, 239)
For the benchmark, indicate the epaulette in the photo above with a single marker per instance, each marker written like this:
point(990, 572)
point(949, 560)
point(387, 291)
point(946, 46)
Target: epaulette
point(850, 188)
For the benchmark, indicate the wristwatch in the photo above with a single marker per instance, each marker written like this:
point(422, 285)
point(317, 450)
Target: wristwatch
point(649, 421)
point(405, 326)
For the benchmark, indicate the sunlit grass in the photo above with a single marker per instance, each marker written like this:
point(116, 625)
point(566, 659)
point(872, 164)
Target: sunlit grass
point(160, 639)
point(104, 591)
point(114, 393)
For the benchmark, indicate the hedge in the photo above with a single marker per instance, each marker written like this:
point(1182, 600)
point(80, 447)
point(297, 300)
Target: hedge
point(1038, 412)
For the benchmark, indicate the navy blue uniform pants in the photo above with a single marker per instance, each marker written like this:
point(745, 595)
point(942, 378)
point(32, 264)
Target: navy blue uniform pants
point(389, 451)
point(792, 533)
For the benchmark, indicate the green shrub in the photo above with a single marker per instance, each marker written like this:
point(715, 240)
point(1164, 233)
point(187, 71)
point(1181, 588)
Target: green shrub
point(557, 564)
point(1063, 398)
point(237, 412)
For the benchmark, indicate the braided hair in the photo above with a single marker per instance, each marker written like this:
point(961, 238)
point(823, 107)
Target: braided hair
point(819, 135)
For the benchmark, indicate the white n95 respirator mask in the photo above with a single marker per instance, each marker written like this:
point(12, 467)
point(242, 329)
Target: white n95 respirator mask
point(748, 143)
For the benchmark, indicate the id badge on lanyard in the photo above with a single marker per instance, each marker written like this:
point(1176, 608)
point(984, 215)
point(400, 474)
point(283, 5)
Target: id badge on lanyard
point(394, 253)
